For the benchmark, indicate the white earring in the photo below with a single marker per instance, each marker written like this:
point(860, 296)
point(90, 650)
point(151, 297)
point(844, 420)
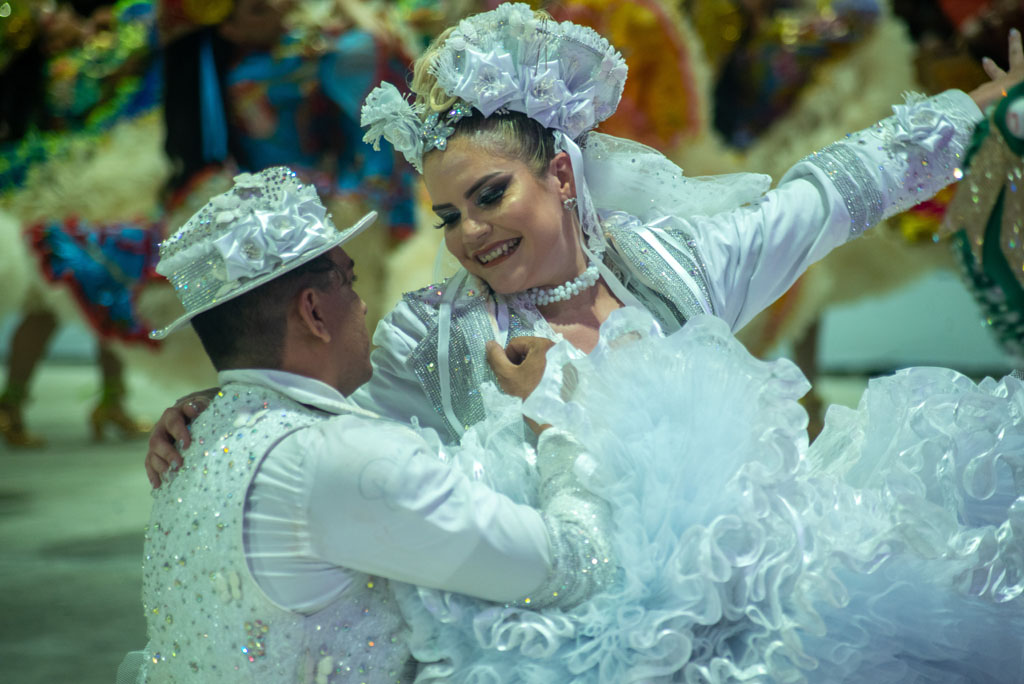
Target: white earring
point(569, 203)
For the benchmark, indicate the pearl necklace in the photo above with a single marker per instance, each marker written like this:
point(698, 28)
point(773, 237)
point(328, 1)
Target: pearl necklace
point(540, 296)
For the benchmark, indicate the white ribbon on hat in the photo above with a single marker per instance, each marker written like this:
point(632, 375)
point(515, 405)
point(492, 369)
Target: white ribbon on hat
point(261, 239)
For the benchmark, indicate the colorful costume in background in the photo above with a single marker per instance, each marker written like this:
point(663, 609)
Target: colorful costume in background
point(90, 89)
point(661, 102)
point(889, 552)
point(800, 68)
point(101, 101)
point(81, 211)
point(302, 109)
point(775, 55)
point(105, 267)
point(986, 219)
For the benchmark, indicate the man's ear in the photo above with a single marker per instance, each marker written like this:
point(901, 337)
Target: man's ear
point(310, 314)
point(561, 168)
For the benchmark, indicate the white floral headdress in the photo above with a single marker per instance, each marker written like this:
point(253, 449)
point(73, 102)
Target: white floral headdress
point(268, 224)
point(565, 76)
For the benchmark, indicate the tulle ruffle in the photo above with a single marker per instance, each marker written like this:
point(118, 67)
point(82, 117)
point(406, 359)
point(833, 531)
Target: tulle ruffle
point(945, 456)
point(884, 554)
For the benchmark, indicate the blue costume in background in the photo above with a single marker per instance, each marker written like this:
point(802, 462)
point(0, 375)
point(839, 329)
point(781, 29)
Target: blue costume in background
point(105, 267)
point(303, 111)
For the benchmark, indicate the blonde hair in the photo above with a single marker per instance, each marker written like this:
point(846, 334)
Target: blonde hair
point(424, 84)
point(512, 135)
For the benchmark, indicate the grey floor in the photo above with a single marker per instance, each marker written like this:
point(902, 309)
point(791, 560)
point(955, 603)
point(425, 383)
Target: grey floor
point(71, 522)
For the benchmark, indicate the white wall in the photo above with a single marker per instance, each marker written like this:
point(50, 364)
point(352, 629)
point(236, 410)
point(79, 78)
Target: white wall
point(932, 321)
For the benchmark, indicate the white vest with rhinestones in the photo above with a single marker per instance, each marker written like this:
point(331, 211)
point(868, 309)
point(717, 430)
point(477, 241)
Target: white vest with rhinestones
point(207, 619)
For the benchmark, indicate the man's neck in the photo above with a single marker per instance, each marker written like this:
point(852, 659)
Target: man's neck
point(310, 363)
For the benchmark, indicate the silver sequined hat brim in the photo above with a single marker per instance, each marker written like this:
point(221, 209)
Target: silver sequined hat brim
point(343, 237)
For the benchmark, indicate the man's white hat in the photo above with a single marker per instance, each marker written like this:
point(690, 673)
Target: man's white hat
point(268, 224)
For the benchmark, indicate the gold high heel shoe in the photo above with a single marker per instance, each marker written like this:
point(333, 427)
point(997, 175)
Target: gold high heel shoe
point(12, 428)
point(113, 415)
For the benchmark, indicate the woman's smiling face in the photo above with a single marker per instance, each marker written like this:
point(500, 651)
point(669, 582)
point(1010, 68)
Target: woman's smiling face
point(502, 222)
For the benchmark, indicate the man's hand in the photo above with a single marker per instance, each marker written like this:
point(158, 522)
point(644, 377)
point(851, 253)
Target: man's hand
point(171, 433)
point(519, 367)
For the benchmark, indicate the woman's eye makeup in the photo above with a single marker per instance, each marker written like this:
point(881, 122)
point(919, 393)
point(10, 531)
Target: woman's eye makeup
point(485, 197)
point(447, 220)
point(492, 194)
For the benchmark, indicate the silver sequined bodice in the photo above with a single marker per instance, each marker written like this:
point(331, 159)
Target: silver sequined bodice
point(640, 268)
point(207, 619)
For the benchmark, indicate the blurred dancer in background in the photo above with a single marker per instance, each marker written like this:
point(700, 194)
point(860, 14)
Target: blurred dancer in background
point(80, 173)
point(256, 83)
point(92, 170)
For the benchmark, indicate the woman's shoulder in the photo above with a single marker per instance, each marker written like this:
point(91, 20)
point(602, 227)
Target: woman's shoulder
point(417, 311)
point(428, 297)
point(621, 228)
point(616, 223)
point(426, 301)
point(420, 305)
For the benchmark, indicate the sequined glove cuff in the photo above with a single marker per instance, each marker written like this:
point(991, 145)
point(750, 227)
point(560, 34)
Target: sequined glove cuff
point(902, 160)
point(578, 524)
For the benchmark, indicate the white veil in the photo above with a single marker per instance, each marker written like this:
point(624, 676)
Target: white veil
point(624, 175)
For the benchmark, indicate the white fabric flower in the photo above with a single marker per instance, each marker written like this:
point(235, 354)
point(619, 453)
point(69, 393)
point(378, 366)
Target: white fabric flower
point(226, 216)
point(487, 80)
point(577, 115)
point(404, 134)
point(224, 202)
point(263, 238)
point(248, 181)
point(545, 93)
point(387, 114)
point(918, 124)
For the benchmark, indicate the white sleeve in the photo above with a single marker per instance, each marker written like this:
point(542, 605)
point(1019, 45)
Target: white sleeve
point(381, 502)
point(394, 390)
point(755, 253)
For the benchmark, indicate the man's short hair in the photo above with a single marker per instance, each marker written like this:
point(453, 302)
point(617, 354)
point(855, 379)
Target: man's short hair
point(249, 330)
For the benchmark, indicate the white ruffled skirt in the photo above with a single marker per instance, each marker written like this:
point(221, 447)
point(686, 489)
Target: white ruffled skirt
point(889, 551)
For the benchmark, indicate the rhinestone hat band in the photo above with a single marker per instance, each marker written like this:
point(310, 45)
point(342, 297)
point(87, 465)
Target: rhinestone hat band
point(268, 224)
